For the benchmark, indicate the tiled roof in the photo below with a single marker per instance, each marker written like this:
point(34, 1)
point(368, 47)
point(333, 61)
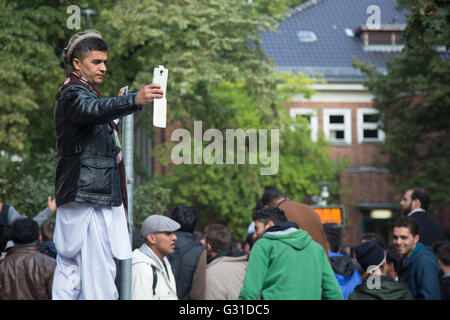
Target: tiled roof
point(331, 53)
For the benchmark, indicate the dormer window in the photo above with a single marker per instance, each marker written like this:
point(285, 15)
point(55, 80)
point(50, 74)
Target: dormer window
point(306, 36)
point(386, 38)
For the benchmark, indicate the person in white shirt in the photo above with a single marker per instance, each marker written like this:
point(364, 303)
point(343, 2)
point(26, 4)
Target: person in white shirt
point(90, 184)
point(152, 276)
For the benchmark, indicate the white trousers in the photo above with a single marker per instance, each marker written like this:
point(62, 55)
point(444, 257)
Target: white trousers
point(87, 238)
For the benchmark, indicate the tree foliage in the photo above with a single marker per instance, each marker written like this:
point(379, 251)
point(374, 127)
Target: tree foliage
point(218, 74)
point(415, 98)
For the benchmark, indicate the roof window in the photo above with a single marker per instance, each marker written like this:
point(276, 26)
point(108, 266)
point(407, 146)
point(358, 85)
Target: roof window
point(306, 36)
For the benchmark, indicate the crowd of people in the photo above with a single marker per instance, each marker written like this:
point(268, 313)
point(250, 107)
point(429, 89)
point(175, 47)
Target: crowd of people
point(279, 260)
point(288, 253)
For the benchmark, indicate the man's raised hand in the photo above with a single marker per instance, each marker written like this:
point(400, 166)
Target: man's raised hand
point(148, 93)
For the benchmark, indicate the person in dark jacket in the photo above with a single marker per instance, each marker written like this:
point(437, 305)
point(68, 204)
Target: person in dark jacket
point(26, 273)
point(91, 227)
point(419, 267)
point(8, 213)
point(415, 203)
point(187, 250)
point(442, 251)
point(344, 270)
point(46, 238)
point(377, 284)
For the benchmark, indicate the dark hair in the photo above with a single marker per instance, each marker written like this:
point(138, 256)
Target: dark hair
point(250, 240)
point(5, 236)
point(138, 239)
point(186, 216)
point(442, 251)
point(422, 195)
point(197, 236)
point(374, 237)
point(276, 215)
point(25, 231)
point(47, 229)
point(218, 237)
point(259, 205)
point(271, 195)
point(84, 47)
point(333, 236)
point(393, 257)
point(407, 222)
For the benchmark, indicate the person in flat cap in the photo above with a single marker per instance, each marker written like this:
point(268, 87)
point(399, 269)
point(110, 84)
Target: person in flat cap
point(152, 276)
point(26, 273)
point(91, 226)
point(376, 283)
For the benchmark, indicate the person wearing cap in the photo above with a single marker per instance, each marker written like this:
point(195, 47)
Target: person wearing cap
point(152, 276)
point(90, 184)
point(376, 284)
point(26, 273)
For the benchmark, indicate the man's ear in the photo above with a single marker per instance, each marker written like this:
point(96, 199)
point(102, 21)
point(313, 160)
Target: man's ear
point(269, 224)
point(151, 238)
point(76, 64)
point(416, 239)
point(416, 204)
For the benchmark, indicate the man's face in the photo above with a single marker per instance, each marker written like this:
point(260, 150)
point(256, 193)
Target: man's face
point(406, 202)
point(404, 242)
point(163, 243)
point(260, 228)
point(93, 66)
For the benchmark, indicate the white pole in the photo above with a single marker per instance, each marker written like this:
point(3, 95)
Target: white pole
point(128, 141)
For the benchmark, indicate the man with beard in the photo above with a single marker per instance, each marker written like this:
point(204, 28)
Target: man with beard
point(414, 204)
point(419, 268)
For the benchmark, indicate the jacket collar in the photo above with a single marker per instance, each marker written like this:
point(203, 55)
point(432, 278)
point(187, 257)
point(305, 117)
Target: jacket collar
point(75, 78)
point(417, 249)
point(149, 253)
point(415, 210)
point(283, 228)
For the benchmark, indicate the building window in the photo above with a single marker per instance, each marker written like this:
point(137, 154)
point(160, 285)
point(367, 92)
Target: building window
point(337, 126)
point(306, 36)
point(368, 122)
point(311, 116)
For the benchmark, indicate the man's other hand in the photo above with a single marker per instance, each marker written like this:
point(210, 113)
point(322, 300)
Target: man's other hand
point(148, 93)
point(52, 204)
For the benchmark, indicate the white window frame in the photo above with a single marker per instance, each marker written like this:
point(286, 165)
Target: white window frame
point(314, 119)
point(346, 126)
point(367, 126)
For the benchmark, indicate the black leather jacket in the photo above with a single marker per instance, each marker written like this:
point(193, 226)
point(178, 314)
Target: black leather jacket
point(87, 168)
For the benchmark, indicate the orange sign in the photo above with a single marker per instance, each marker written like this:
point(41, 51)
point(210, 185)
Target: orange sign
point(329, 215)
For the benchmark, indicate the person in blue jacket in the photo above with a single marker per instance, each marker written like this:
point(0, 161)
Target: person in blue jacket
point(419, 268)
point(344, 270)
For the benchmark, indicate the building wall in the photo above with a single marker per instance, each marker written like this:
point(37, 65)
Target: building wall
point(365, 181)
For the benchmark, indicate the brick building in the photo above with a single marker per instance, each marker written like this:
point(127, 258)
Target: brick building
point(320, 37)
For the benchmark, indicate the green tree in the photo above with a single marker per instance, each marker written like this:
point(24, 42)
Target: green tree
point(218, 74)
point(415, 97)
point(227, 193)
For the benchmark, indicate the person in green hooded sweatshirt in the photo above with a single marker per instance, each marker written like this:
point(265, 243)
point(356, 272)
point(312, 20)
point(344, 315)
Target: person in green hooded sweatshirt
point(286, 264)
